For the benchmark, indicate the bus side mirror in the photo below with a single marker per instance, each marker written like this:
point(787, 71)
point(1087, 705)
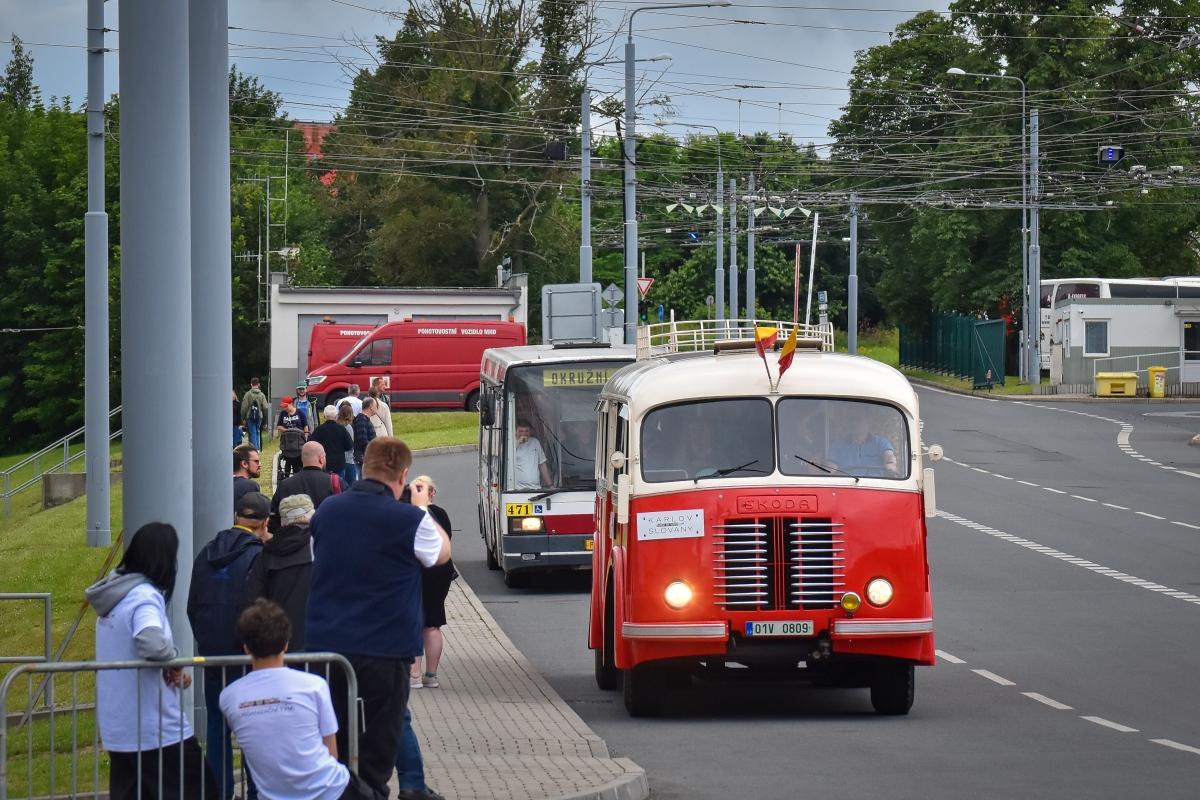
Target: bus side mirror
point(356, 363)
point(935, 452)
point(617, 459)
point(623, 482)
point(930, 490)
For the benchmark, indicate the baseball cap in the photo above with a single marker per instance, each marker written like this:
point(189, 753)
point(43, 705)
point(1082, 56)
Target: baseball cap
point(253, 505)
point(287, 400)
point(294, 508)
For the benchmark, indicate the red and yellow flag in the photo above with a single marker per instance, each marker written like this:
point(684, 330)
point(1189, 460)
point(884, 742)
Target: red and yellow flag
point(786, 352)
point(764, 339)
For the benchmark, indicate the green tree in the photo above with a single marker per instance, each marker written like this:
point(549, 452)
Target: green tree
point(16, 86)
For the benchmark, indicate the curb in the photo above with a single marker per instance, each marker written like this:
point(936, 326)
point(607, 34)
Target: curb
point(632, 785)
point(1049, 398)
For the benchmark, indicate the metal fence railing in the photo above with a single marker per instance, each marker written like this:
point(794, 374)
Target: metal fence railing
point(957, 345)
point(47, 637)
point(1139, 363)
point(53, 458)
point(680, 336)
point(60, 753)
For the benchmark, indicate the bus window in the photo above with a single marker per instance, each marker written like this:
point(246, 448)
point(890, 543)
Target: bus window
point(827, 436)
point(708, 439)
point(555, 407)
point(1075, 291)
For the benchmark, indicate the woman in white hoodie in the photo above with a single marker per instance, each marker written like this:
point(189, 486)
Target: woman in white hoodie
point(142, 723)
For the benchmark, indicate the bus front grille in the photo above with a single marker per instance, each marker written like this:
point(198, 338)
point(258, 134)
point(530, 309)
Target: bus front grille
point(775, 563)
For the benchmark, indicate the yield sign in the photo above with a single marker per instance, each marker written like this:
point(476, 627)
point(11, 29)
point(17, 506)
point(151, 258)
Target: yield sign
point(644, 285)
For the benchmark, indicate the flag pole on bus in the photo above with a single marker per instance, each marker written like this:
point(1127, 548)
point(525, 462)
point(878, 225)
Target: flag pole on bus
point(764, 339)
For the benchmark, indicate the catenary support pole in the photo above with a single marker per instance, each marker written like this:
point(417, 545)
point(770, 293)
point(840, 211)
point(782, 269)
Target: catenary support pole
point(631, 227)
point(95, 280)
point(720, 273)
point(585, 186)
point(212, 312)
point(1034, 369)
point(750, 308)
point(156, 257)
point(852, 281)
point(733, 268)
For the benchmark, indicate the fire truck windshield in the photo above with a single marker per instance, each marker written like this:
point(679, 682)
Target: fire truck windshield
point(708, 439)
point(551, 425)
point(818, 436)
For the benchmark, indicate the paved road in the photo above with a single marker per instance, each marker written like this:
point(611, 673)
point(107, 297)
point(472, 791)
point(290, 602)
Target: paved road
point(1066, 573)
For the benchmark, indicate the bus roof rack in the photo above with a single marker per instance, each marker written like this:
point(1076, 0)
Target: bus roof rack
point(678, 336)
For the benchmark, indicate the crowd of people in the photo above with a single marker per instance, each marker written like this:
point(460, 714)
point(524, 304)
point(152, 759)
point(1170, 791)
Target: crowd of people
point(348, 556)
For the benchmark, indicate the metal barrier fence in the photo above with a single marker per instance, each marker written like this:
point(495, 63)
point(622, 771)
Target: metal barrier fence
point(60, 742)
point(957, 345)
point(47, 643)
point(682, 336)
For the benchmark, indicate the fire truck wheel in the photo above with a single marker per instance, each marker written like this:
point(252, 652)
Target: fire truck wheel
point(893, 688)
point(644, 689)
point(472, 403)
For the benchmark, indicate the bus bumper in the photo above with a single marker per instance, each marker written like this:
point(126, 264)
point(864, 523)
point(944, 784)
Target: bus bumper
point(559, 551)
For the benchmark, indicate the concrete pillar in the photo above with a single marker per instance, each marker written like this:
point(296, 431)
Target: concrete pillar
point(156, 255)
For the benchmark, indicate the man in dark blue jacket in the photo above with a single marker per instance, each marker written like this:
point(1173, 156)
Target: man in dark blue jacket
point(365, 598)
point(214, 600)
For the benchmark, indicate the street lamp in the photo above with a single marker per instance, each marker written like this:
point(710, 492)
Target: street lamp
point(720, 271)
point(631, 167)
point(585, 170)
point(1031, 308)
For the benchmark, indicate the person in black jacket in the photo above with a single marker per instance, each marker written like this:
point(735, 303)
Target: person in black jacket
point(336, 440)
point(311, 480)
point(214, 601)
point(435, 586)
point(364, 430)
point(282, 574)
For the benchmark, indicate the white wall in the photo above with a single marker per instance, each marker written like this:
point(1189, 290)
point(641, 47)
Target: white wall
point(1146, 327)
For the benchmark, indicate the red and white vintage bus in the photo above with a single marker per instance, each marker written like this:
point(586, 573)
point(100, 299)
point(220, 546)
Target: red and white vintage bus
point(770, 527)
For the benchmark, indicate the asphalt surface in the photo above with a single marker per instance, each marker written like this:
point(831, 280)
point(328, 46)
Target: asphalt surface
point(1068, 629)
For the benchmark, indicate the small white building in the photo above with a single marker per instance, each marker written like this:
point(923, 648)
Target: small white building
point(1091, 335)
point(296, 309)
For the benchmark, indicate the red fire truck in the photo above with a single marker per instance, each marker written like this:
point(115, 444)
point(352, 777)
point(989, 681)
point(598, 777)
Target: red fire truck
point(772, 526)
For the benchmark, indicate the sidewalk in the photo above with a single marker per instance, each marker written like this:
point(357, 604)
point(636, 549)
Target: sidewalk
point(497, 731)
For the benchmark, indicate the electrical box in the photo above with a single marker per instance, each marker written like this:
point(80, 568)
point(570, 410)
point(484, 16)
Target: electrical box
point(571, 313)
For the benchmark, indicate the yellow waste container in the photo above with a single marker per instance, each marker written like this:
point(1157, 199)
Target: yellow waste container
point(1158, 381)
point(1116, 384)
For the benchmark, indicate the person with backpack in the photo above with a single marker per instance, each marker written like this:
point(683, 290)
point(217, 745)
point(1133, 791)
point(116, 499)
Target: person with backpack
point(214, 601)
point(312, 480)
point(283, 573)
point(254, 412)
point(292, 429)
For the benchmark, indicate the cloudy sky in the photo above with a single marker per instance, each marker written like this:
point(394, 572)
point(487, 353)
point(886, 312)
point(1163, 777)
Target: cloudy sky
point(786, 61)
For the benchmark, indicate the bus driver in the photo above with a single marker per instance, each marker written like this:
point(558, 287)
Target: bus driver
point(530, 461)
point(860, 452)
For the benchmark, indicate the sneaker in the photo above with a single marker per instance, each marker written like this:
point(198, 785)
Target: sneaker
point(415, 682)
point(430, 681)
point(419, 794)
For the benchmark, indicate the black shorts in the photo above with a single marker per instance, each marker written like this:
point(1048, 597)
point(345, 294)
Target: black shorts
point(435, 585)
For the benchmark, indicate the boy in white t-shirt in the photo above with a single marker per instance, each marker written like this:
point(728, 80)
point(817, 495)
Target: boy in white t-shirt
point(283, 719)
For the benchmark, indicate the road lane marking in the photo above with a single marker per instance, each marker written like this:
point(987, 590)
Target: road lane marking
point(1148, 514)
point(993, 677)
point(1027, 483)
point(1107, 723)
point(1056, 491)
point(942, 654)
point(1081, 497)
point(1041, 698)
point(1177, 746)
point(1186, 525)
point(1001, 477)
point(1116, 575)
point(1117, 507)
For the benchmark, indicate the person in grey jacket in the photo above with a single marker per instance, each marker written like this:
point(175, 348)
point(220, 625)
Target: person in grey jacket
point(142, 722)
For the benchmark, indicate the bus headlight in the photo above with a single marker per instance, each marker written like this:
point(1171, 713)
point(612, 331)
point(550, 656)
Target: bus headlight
point(850, 602)
point(678, 594)
point(879, 592)
point(527, 524)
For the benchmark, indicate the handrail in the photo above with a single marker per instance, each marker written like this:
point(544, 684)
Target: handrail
point(1137, 364)
point(679, 336)
point(63, 461)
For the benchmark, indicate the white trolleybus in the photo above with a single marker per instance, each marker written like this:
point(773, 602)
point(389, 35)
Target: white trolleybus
point(537, 449)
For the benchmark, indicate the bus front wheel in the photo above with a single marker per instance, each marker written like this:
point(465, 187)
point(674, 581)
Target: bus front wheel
point(607, 676)
point(893, 688)
point(492, 562)
point(643, 690)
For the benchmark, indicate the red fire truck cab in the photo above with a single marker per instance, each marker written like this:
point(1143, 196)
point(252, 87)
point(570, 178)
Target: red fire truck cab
point(775, 528)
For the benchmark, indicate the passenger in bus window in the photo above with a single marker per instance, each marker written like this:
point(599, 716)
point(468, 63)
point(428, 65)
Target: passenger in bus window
point(530, 460)
point(860, 451)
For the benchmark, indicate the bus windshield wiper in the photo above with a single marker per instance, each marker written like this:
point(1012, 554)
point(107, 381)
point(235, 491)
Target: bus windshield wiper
point(721, 473)
point(824, 468)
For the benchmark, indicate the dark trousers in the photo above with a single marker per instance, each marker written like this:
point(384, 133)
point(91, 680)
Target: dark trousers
point(177, 783)
point(383, 690)
point(357, 789)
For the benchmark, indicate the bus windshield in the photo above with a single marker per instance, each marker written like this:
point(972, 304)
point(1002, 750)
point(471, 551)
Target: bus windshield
point(708, 439)
point(551, 425)
point(819, 436)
